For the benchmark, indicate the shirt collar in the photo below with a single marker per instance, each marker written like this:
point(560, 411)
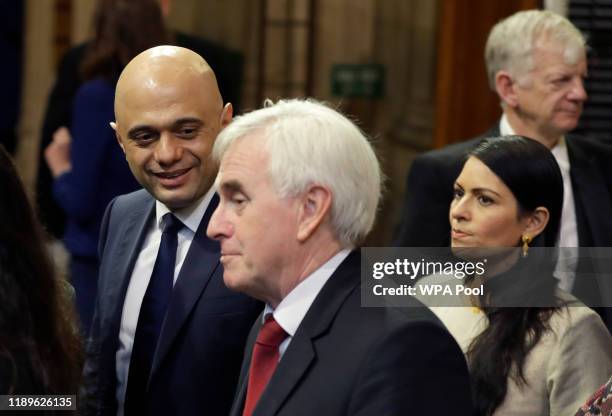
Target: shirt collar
point(292, 309)
point(559, 151)
point(189, 216)
point(505, 129)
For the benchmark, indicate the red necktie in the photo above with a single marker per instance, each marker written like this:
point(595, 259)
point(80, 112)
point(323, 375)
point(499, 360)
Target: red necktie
point(263, 362)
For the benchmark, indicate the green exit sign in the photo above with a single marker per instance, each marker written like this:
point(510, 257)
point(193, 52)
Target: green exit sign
point(358, 80)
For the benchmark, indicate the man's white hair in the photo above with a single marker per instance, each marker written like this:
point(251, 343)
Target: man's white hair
point(512, 42)
point(310, 143)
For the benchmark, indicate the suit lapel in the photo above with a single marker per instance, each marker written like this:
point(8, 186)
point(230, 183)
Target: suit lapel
point(243, 382)
point(238, 404)
point(198, 267)
point(590, 197)
point(291, 368)
point(121, 271)
point(243, 379)
point(300, 354)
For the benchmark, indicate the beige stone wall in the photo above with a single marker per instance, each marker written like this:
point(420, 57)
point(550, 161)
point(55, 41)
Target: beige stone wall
point(82, 14)
point(400, 34)
point(345, 34)
point(37, 78)
point(230, 23)
point(406, 44)
point(39, 74)
point(221, 21)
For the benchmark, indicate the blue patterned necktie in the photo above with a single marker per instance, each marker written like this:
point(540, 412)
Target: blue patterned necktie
point(151, 316)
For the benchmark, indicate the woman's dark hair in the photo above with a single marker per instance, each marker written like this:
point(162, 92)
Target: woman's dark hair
point(531, 172)
point(40, 350)
point(122, 29)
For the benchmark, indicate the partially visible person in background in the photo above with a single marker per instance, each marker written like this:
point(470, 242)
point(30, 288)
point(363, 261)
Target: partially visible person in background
point(600, 403)
point(536, 63)
point(228, 67)
point(40, 351)
point(11, 43)
point(87, 164)
point(167, 337)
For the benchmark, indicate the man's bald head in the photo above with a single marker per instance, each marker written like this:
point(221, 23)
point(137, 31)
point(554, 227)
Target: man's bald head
point(168, 113)
point(158, 67)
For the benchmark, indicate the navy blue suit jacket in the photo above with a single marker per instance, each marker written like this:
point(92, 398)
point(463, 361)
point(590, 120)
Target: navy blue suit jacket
point(198, 356)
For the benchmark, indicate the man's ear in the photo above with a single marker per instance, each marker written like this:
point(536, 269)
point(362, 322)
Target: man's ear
point(116, 129)
point(505, 86)
point(315, 204)
point(226, 115)
point(536, 222)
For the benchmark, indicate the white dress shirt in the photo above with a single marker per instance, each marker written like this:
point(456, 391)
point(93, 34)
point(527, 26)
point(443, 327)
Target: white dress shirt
point(565, 270)
point(190, 217)
point(292, 309)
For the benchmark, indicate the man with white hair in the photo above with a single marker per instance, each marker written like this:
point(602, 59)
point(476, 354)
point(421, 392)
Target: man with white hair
point(536, 63)
point(299, 186)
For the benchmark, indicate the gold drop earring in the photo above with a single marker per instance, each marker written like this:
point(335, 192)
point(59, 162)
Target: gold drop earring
point(526, 240)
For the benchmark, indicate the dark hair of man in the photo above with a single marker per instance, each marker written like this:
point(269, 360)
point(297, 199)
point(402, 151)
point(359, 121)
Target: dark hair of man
point(531, 172)
point(40, 351)
point(122, 29)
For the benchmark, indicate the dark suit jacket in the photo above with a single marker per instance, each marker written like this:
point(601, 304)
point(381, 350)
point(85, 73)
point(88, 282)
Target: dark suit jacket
point(429, 192)
point(226, 63)
point(198, 357)
point(345, 359)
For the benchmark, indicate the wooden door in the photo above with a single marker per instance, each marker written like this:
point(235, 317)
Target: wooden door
point(465, 106)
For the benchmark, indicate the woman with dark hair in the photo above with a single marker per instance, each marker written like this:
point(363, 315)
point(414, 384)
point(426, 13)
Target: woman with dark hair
point(40, 351)
point(89, 172)
point(122, 29)
point(531, 348)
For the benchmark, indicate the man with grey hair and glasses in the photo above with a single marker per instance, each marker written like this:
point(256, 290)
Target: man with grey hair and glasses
point(536, 63)
point(299, 186)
